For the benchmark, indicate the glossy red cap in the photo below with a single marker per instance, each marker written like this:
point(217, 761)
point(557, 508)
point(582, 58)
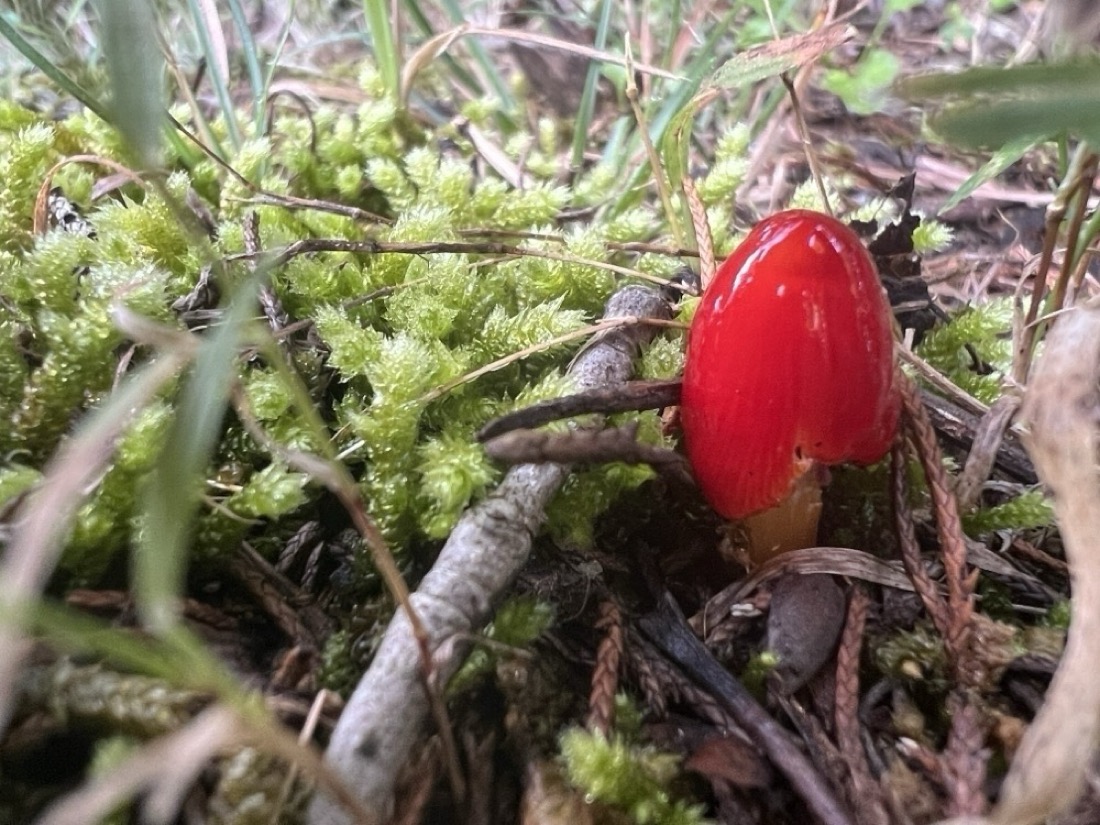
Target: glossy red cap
point(790, 360)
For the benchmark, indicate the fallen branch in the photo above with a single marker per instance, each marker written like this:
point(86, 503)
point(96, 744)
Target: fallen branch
point(1062, 408)
point(385, 716)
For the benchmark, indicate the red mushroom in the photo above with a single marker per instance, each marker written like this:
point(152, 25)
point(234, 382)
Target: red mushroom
point(789, 366)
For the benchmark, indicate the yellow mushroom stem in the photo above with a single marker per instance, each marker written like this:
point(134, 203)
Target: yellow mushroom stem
point(789, 525)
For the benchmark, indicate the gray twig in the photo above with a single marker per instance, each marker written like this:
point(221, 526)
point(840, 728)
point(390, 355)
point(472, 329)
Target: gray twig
point(385, 716)
point(1062, 409)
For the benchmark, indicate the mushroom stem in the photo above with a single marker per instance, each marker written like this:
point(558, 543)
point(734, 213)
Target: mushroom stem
point(789, 525)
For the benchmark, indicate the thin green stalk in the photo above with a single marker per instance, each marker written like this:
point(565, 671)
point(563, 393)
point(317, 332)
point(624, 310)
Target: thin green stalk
point(171, 497)
point(273, 63)
point(482, 57)
point(252, 66)
point(673, 103)
point(219, 83)
point(588, 95)
point(380, 27)
point(416, 14)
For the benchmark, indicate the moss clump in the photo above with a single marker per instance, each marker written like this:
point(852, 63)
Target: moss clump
point(980, 330)
point(376, 370)
point(635, 779)
point(1027, 510)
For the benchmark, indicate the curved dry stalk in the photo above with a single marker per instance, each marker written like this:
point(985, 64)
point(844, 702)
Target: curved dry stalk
point(385, 715)
point(704, 240)
point(960, 585)
point(605, 675)
point(1062, 408)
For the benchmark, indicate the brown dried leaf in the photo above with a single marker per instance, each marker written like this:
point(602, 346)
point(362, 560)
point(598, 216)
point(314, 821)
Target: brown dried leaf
point(777, 56)
point(730, 759)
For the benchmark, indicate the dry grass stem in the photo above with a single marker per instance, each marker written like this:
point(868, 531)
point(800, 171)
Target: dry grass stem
point(1062, 410)
point(703, 239)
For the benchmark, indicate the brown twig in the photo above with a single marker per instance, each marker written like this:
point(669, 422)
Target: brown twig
point(807, 144)
point(605, 676)
point(1025, 335)
point(958, 426)
point(628, 397)
point(280, 598)
point(339, 482)
point(588, 447)
point(668, 630)
point(1078, 208)
point(985, 449)
point(270, 304)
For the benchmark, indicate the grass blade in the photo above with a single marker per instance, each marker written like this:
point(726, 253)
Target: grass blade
point(252, 66)
point(40, 530)
point(46, 66)
point(171, 497)
point(380, 27)
point(212, 41)
point(588, 94)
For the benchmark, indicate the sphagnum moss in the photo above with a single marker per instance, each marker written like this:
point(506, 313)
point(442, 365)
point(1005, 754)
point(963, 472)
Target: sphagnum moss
point(448, 314)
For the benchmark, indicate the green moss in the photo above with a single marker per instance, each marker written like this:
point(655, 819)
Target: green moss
point(932, 236)
point(453, 470)
point(272, 492)
point(76, 366)
point(985, 329)
point(915, 657)
point(250, 790)
point(338, 671)
point(518, 623)
point(1059, 614)
point(1027, 510)
point(729, 169)
point(586, 494)
point(16, 479)
point(634, 779)
point(448, 314)
point(26, 152)
point(664, 358)
point(103, 523)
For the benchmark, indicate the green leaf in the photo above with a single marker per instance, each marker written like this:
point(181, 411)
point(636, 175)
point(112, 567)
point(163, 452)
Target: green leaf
point(863, 87)
point(171, 497)
point(1001, 160)
point(775, 57)
point(136, 69)
point(996, 107)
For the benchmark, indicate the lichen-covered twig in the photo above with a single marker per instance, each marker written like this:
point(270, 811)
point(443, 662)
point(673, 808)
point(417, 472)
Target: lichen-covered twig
point(386, 713)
